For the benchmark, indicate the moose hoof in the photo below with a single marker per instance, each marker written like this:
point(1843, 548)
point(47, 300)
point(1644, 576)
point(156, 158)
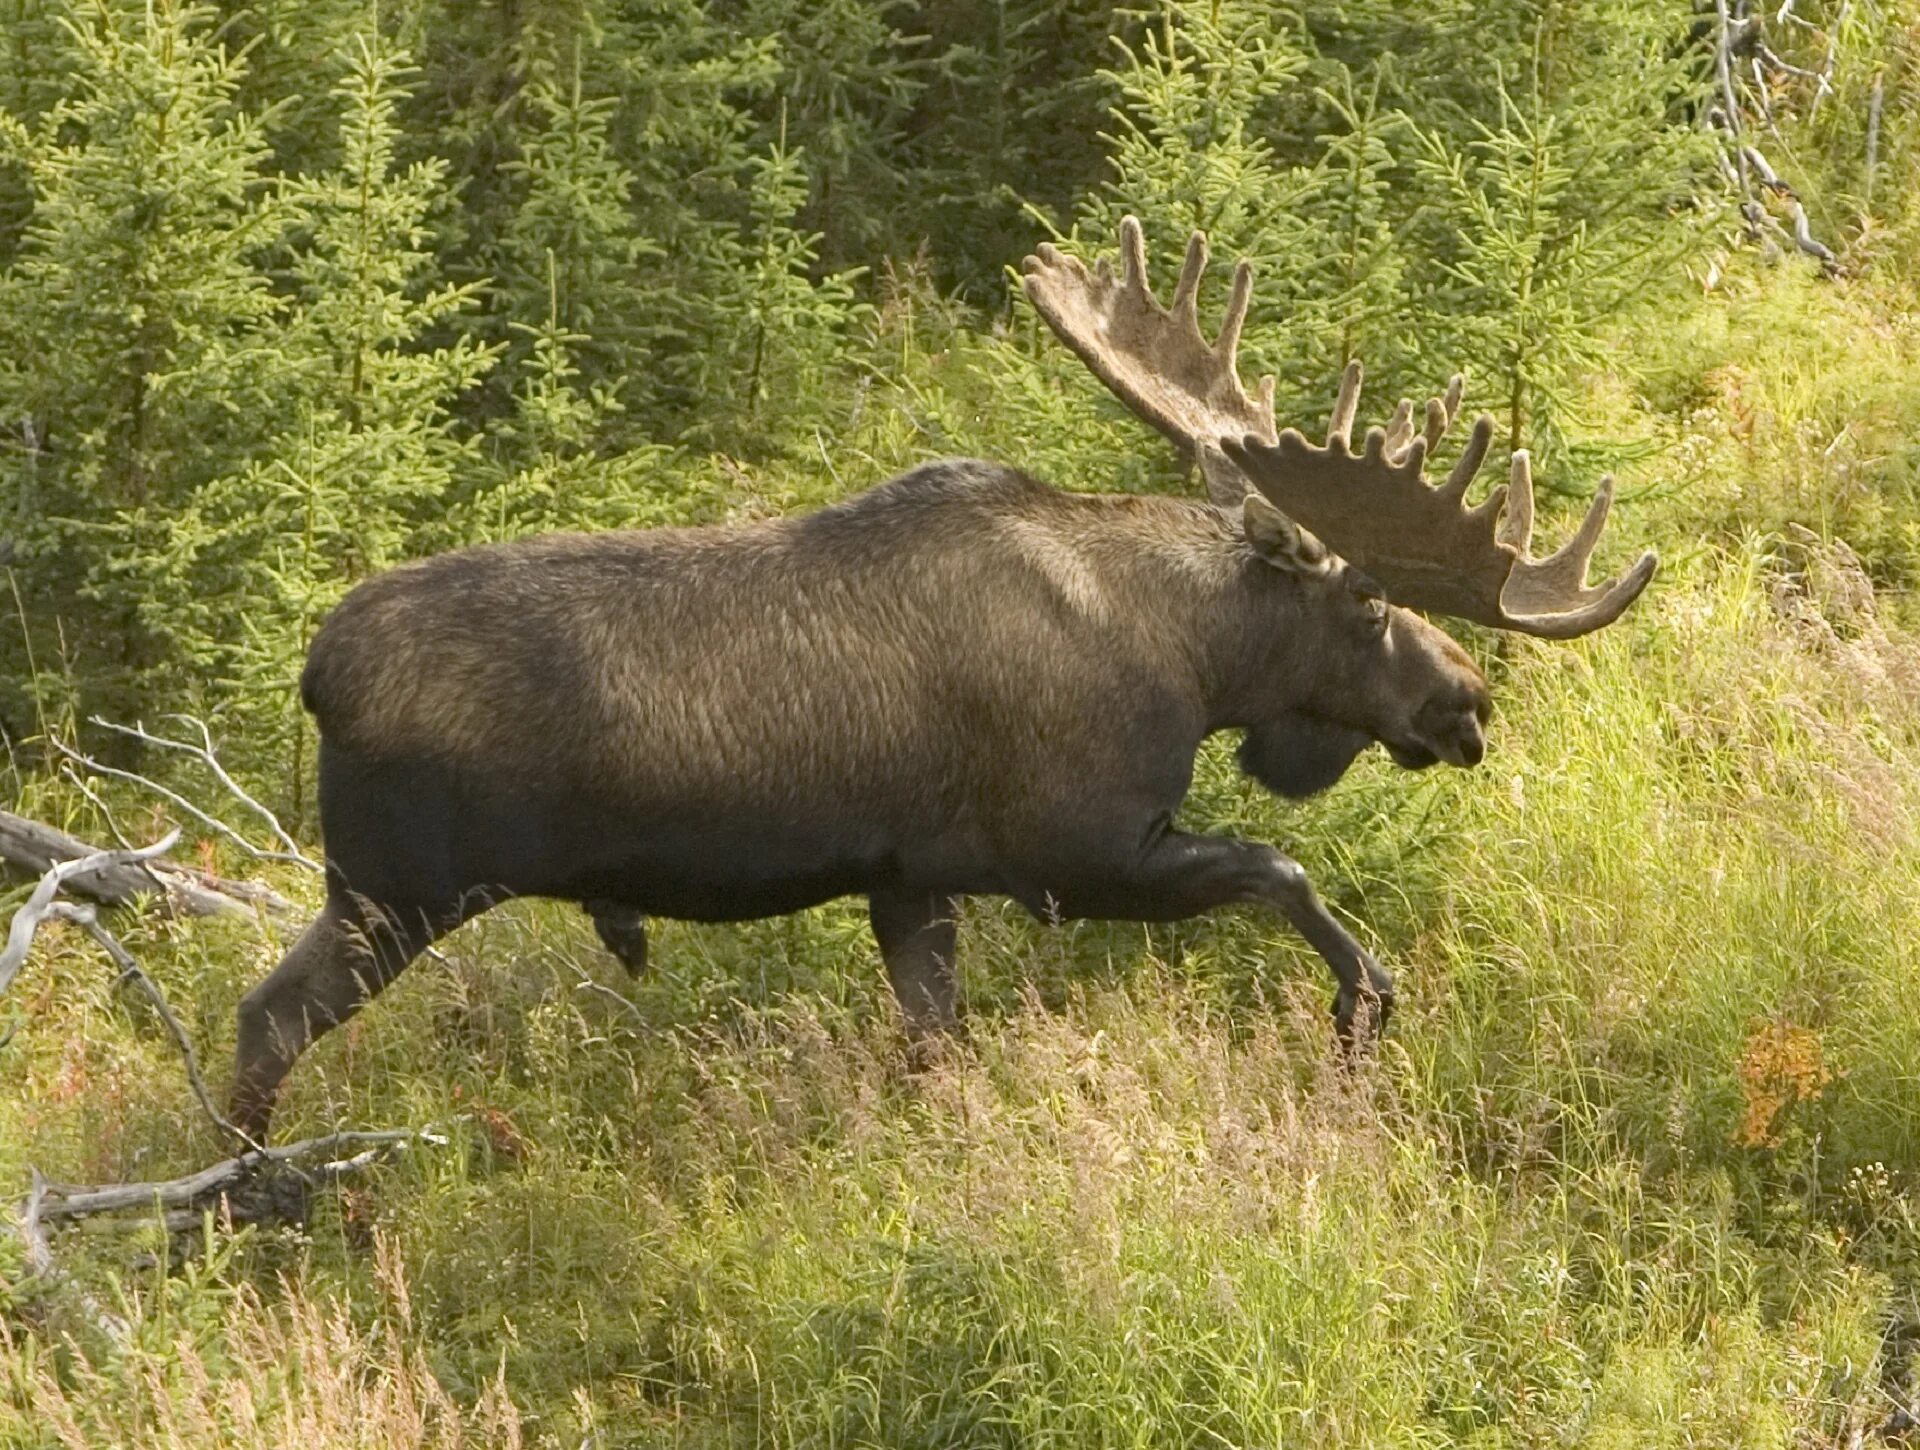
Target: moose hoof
point(1361, 1014)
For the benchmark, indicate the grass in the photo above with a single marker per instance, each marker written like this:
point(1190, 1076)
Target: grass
point(1636, 1168)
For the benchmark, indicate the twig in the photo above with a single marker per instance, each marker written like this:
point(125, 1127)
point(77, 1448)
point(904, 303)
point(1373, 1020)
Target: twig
point(212, 823)
point(1769, 178)
point(1804, 239)
point(1833, 58)
point(1766, 53)
point(344, 1153)
point(78, 782)
point(600, 989)
point(27, 920)
point(204, 753)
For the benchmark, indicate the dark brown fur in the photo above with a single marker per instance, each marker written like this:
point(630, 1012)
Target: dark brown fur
point(960, 682)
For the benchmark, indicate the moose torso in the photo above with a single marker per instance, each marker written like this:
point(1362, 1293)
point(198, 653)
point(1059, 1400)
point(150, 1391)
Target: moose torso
point(911, 687)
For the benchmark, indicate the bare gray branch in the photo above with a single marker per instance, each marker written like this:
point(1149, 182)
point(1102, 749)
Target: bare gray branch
point(35, 846)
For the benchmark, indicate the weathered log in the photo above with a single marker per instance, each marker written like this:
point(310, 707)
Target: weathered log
point(36, 847)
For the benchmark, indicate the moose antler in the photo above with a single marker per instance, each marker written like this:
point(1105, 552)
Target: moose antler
point(1422, 543)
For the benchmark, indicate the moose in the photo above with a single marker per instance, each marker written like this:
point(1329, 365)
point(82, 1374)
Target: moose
point(961, 682)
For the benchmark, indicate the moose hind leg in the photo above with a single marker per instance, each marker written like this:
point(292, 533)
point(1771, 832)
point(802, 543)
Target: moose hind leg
point(339, 964)
point(623, 931)
point(916, 934)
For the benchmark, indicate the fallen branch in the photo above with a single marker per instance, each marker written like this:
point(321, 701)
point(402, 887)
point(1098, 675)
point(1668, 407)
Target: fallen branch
point(43, 906)
point(37, 847)
point(1746, 167)
point(180, 1205)
point(204, 1189)
point(178, 1202)
point(88, 920)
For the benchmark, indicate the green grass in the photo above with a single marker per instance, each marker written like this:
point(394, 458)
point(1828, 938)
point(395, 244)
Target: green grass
point(1143, 1205)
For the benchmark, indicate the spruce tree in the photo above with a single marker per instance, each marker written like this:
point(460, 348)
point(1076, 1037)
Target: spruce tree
point(1585, 193)
point(360, 472)
point(152, 360)
point(565, 263)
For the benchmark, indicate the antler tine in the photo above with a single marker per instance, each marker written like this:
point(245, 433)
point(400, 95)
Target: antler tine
point(1227, 346)
point(1186, 292)
point(1133, 258)
point(1567, 566)
point(1516, 528)
point(1467, 468)
point(1425, 546)
point(1553, 595)
point(1399, 430)
point(1155, 358)
point(1345, 404)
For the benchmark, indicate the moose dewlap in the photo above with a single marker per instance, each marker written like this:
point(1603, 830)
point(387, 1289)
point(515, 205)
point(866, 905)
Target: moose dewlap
point(961, 682)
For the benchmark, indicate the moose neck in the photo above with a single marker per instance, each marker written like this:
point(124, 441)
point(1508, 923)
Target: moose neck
point(1253, 638)
point(1267, 648)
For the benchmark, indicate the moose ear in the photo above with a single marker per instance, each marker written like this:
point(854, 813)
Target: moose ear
point(1280, 541)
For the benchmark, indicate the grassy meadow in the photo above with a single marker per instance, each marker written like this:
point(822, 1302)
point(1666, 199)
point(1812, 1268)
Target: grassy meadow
point(1638, 1165)
point(1635, 1167)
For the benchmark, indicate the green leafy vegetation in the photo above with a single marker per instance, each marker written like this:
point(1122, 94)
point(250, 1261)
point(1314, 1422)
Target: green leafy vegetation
point(292, 292)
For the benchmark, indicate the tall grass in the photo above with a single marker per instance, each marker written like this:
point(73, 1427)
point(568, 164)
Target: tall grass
point(1635, 1168)
point(204, 1363)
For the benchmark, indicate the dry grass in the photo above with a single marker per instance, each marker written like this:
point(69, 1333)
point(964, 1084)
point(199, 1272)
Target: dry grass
point(250, 1377)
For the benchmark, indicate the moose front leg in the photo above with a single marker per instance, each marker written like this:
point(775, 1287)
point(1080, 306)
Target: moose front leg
point(1181, 875)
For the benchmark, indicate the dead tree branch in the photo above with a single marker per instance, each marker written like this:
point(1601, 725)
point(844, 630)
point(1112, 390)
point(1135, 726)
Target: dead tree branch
point(211, 822)
point(177, 1201)
point(44, 906)
point(34, 846)
point(88, 920)
point(205, 754)
point(1741, 34)
point(179, 1205)
point(345, 1153)
point(28, 919)
point(239, 1187)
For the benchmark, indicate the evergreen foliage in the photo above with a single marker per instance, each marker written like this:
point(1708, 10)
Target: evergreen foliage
point(492, 242)
point(337, 283)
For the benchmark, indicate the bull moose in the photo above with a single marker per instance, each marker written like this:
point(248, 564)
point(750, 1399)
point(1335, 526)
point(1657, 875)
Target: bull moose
point(960, 682)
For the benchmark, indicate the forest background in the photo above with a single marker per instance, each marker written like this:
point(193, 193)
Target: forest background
point(292, 291)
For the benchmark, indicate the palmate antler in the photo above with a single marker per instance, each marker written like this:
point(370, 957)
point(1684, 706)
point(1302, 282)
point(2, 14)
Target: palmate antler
point(1426, 548)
